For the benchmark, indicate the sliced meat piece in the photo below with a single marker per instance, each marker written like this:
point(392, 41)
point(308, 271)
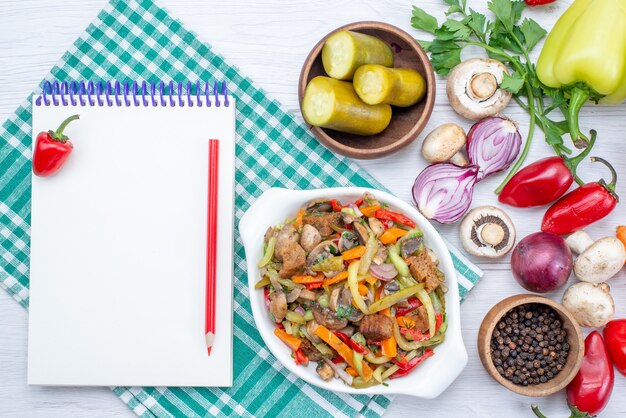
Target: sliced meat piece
point(424, 270)
point(376, 327)
point(326, 317)
point(420, 316)
point(310, 351)
point(286, 237)
point(322, 222)
point(294, 260)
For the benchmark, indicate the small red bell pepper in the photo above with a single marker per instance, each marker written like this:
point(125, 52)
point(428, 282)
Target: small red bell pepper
point(334, 203)
point(413, 303)
point(591, 388)
point(544, 181)
point(538, 184)
point(300, 357)
point(538, 2)
point(387, 215)
point(406, 367)
point(51, 150)
point(615, 339)
point(582, 206)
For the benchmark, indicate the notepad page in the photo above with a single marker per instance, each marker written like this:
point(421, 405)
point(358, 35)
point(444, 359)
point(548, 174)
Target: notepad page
point(118, 249)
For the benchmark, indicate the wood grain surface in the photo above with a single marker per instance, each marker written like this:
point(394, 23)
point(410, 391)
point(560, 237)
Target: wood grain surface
point(269, 40)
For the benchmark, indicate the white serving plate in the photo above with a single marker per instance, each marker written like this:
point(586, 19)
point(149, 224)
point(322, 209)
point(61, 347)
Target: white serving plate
point(430, 378)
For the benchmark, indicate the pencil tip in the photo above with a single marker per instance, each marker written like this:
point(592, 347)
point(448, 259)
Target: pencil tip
point(209, 337)
point(208, 349)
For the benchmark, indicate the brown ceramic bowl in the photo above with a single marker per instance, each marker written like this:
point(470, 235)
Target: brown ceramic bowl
point(574, 338)
point(406, 123)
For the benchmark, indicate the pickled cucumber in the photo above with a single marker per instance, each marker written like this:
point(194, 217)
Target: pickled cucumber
point(333, 104)
point(345, 51)
point(376, 84)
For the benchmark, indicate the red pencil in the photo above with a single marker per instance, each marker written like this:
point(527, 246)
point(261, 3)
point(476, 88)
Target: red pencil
point(211, 248)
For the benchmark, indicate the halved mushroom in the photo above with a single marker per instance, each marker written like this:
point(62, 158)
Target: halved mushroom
point(376, 226)
point(362, 232)
point(598, 261)
point(319, 205)
point(445, 143)
point(473, 88)
point(309, 237)
point(278, 305)
point(487, 231)
point(319, 252)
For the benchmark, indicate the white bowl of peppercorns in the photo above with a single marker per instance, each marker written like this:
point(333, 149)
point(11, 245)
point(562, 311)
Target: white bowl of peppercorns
point(531, 345)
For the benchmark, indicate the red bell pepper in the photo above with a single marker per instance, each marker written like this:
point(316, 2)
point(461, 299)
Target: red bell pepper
point(316, 285)
point(266, 297)
point(615, 339)
point(358, 202)
point(51, 150)
point(387, 215)
point(358, 347)
point(343, 337)
point(405, 368)
point(582, 206)
point(335, 205)
point(300, 357)
point(338, 360)
point(591, 388)
point(413, 302)
point(538, 2)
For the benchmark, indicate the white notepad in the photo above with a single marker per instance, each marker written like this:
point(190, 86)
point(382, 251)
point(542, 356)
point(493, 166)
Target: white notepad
point(118, 249)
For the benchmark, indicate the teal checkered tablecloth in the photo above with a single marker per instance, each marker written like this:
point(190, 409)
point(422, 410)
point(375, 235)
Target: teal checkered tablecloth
point(138, 40)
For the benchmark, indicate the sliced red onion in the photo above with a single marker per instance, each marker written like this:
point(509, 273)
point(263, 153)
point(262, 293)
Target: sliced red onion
point(356, 210)
point(340, 371)
point(299, 309)
point(493, 144)
point(443, 192)
point(384, 272)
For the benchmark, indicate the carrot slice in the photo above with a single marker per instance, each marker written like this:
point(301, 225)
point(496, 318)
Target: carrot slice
point(291, 341)
point(389, 346)
point(298, 222)
point(339, 277)
point(351, 371)
point(362, 289)
point(353, 253)
point(307, 279)
point(344, 351)
point(369, 211)
point(391, 235)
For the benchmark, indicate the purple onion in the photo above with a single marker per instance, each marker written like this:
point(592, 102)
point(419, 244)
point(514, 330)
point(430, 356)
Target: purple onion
point(384, 272)
point(299, 309)
point(493, 144)
point(443, 192)
point(541, 262)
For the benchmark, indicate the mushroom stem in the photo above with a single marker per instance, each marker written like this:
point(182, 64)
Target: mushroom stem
point(482, 86)
point(459, 159)
point(579, 241)
point(492, 234)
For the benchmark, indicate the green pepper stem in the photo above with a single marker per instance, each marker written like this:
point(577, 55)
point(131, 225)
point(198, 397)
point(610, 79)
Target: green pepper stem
point(537, 412)
point(58, 134)
point(610, 186)
point(572, 163)
point(578, 97)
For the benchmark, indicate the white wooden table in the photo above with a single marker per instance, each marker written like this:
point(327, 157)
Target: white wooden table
point(268, 40)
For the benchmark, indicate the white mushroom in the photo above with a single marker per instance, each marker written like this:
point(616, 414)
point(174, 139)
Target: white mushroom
point(590, 303)
point(487, 231)
point(309, 237)
point(598, 261)
point(473, 88)
point(445, 143)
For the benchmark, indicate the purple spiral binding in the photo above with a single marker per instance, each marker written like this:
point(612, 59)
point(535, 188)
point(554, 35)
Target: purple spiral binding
point(130, 93)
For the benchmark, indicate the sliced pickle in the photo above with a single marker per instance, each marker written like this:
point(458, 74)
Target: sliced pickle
point(376, 84)
point(345, 51)
point(333, 104)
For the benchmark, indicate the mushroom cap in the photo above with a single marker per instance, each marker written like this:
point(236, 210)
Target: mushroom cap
point(590, 303)
point(487, 231)
point(473, 88)
point(443, 142)
point(601, 261)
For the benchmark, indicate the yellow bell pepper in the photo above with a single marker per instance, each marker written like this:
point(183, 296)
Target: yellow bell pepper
point(585, 53)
